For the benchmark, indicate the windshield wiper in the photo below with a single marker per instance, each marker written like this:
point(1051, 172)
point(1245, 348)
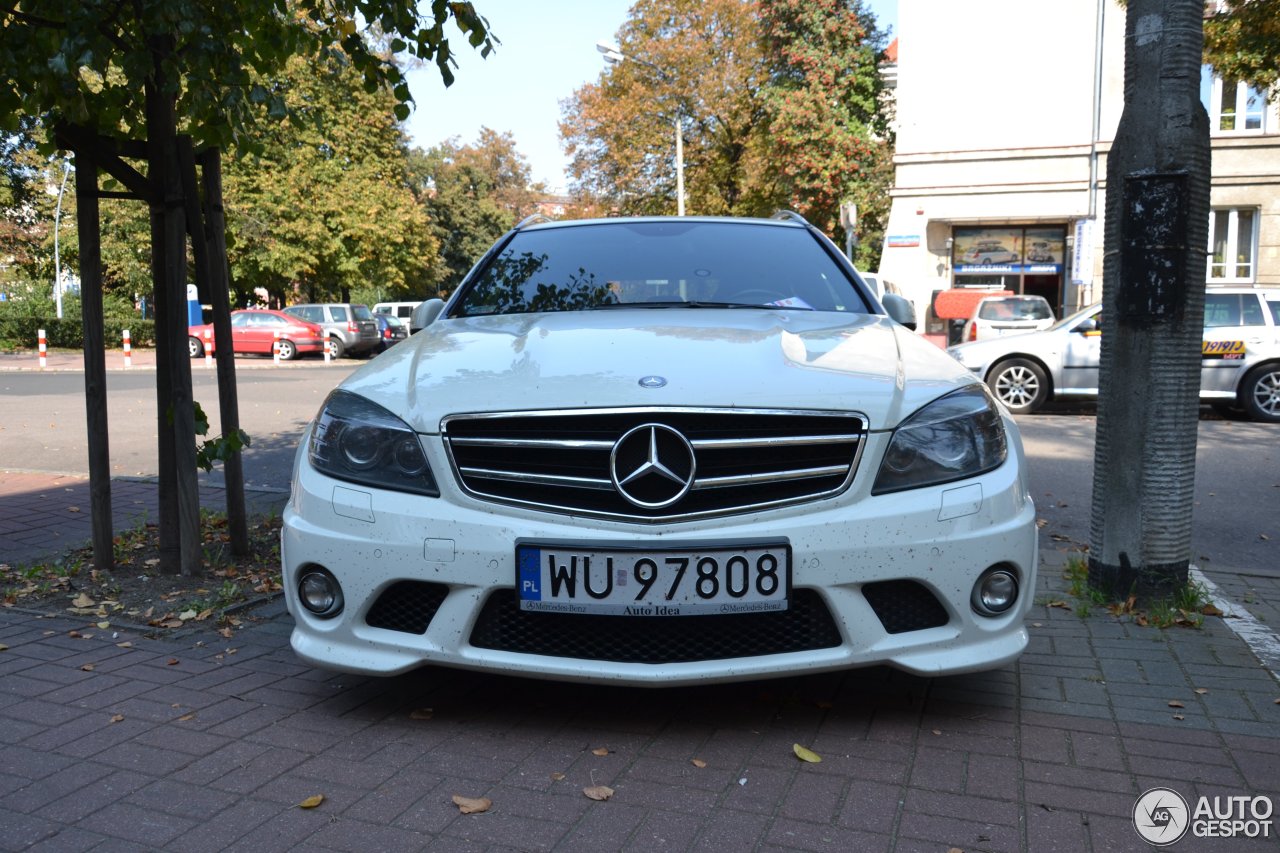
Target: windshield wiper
point(682, 304)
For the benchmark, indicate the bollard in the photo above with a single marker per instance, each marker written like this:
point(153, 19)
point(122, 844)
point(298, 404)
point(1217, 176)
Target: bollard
point(128, 351)
point(328, 350)
point(44, 351)
point(275, 346)
point(208, 348)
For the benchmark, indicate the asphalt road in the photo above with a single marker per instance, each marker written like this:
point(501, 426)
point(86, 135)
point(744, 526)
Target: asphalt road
point(43, 428)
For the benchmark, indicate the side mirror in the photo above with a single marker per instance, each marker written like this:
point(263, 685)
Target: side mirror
point(425, 314)
point(900, 310)
point(1087, 326)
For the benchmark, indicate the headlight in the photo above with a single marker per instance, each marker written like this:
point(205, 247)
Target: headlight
point(361, 442)
point(957, 436)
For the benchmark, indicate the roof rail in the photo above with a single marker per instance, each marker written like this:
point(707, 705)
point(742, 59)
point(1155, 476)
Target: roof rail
point(532, 219)
point(789, 216)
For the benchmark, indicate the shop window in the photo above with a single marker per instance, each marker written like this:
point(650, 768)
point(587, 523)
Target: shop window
point(1234, 106)
point(1232, 244)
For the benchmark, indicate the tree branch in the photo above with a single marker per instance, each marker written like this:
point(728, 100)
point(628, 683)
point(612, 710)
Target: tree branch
point(34, 20)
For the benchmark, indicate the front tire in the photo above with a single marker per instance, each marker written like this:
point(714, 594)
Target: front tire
point(1260, 393)
point(195, 348)
point(1020, 384)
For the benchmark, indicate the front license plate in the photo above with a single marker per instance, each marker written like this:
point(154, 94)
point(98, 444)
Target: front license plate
point(653, 582)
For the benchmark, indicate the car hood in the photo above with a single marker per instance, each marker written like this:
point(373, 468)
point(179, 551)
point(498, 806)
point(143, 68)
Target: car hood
point(708, 357)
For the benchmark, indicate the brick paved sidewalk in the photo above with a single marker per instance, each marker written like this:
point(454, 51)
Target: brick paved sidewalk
point(200, 742)
point(45, 515)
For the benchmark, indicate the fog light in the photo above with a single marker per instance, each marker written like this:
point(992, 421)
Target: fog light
point(320, 593)
point(995, 592)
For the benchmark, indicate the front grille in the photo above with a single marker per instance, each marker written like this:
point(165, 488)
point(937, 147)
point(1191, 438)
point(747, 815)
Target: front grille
point(807, 625)
point(743, 459)
point(904, 605)
point(407, 606)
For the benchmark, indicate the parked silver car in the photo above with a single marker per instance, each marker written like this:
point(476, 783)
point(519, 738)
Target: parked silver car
point(351, 328)
point(1240, 365)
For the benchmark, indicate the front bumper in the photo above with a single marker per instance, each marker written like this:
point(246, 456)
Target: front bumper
point(940, 539)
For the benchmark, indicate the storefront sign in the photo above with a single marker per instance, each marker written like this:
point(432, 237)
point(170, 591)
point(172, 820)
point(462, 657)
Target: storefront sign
point(902, 241)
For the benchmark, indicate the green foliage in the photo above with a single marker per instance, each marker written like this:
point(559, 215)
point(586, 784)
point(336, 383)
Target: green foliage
point(1242, 42)
point(89, 62)
point(327, 207)
point(218, 449)
point(473, 194)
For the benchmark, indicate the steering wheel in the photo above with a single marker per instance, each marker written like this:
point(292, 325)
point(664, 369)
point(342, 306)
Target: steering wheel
point(760, 295)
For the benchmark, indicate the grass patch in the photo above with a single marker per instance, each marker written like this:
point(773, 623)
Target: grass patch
point(1186, 606)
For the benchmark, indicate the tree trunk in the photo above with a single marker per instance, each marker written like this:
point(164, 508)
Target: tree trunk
point(1157, 216)
point(173, 365)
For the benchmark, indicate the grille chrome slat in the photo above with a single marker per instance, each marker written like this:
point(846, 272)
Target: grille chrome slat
point(537, 479)
point(774, 477)
point(744, 460)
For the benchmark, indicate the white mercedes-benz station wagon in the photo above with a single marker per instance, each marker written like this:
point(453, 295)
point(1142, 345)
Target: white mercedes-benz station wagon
point(661, 451)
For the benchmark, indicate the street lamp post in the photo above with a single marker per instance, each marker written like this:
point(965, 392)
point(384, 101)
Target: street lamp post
point(613, 55)
point(57, 262)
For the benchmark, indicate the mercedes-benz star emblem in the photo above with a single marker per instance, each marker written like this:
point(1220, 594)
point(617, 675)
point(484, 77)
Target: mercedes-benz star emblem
point(652, 381)
point(652, 466)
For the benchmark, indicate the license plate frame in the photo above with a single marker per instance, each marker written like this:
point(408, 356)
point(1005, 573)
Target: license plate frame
point(605, 585)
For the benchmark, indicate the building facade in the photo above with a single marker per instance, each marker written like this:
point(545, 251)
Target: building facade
point(1004, 120)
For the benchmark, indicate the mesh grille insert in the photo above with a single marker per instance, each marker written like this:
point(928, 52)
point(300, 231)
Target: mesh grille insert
point(407, 606)
point(904, 605)
point(806, 626)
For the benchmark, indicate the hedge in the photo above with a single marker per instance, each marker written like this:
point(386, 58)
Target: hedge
point(68, 333)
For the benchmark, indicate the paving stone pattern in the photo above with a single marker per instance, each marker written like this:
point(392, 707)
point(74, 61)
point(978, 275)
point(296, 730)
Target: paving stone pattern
point(196, 742)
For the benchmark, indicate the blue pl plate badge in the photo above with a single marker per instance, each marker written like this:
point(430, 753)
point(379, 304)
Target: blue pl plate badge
point(530, 579)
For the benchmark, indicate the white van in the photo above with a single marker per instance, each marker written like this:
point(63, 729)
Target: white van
point(401, 310)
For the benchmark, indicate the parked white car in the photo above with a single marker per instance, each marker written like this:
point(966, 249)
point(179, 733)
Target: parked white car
point(661, 451)
point(1240, 358)
point(997, 316)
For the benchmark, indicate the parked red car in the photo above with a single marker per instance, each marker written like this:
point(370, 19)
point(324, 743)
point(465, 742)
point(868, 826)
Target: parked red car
point(253, 330)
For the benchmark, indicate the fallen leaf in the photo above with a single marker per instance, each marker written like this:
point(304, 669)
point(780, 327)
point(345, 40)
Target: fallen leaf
point(1141, 620)
point(421, 714)
point(1200, 691)
point(1178, 717)
point(1210, 610)
point(154, 561)
point(311, 802)
point(557, 777)
point(698, 762)
point(225, 633)
point(3, 647)
point(88, 667)
point(1041, 522)
point(83, 600)
point(73, 509)
point(125, 645)
point(171, 662)
point(1037, 625)
point(1264, 537)
point(204, 614)
point(117, 718)
point(1174, 703)
point(954, 850)
point(600, 750)
point(187, 614)
point(472, 805)
point(171, 623)
point(598, 792)
point(805, 754)
point(104, 625)
point(185, 717)
point(937, 731)
point(1061, 604)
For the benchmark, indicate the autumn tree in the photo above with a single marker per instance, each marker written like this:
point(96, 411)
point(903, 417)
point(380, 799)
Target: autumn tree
point(472, 194)
point(779, 104)
point(826, 126)
point(702, 62)
point(325, 208)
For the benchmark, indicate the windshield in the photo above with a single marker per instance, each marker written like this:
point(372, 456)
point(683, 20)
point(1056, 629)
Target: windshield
point(1015, 308)
point(1072, 319)
point(660, 265)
